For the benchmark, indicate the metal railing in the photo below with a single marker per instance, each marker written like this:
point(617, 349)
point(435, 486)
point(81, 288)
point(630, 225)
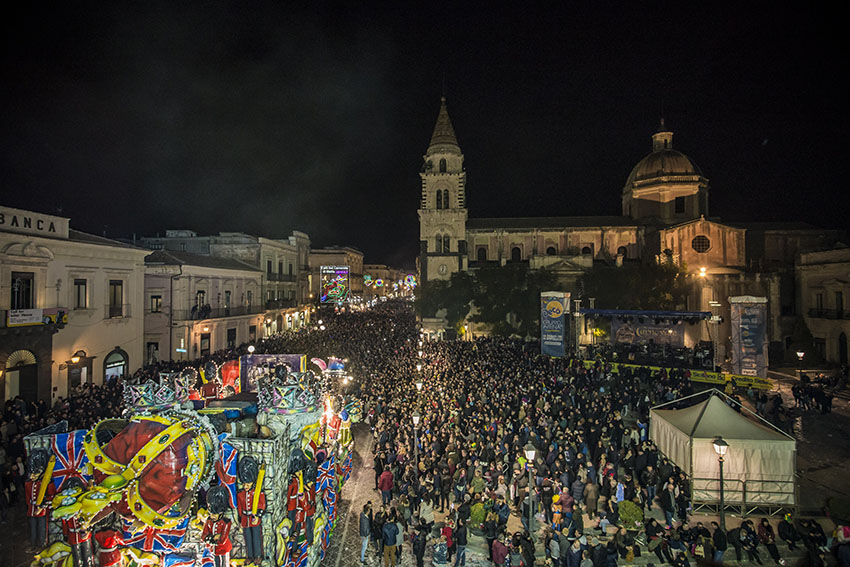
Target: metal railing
point(744, 497)
point(272, 277)
point(280, 303)
point(116, 311)
point(217, 313)
point(829, 313)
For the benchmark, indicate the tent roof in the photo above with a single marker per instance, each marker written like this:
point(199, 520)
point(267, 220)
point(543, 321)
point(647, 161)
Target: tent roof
point(713, 417)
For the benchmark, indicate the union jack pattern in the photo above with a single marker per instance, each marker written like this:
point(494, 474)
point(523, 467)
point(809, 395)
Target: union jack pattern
point(174, 560)
point(325, 474)
point(207, 559)
point(151, 539)
point(303, 549)
point(71, 458)
point(329, 498)
point(226, 468)
point(346, 467)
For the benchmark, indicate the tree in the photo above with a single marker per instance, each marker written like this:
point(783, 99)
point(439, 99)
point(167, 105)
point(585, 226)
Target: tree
point(642, 286)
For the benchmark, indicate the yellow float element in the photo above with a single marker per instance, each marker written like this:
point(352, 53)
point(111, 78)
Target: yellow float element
point(258, 489)
point(58, 555)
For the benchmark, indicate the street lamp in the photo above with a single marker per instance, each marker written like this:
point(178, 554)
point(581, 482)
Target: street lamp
point(416, 417)
point(800, 355)
point(419, 367)
point(530, 452)
point(720, 447)
point(251, 349)
point(419, 385)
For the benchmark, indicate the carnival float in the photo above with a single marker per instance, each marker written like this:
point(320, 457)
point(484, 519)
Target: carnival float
point(236, 464)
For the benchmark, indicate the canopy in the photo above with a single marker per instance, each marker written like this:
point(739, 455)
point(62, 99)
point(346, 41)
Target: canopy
point(760, 463)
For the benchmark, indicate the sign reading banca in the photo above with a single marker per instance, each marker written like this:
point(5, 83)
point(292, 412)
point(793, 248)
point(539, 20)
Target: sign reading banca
point(28, 222)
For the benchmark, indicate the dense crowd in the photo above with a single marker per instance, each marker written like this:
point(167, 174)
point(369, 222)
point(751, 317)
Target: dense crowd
point(596, 485)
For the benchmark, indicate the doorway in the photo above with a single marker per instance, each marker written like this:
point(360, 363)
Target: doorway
point(842, 348)
point(21, 376)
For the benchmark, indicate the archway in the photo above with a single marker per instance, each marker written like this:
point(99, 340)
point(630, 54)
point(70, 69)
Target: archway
point(116, 365)
point(516, 254)
point(20, 376)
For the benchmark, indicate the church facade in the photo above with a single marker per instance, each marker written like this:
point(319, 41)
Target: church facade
point(664, 217)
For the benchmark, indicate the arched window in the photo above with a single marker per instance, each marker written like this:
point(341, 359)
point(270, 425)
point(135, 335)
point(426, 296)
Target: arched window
point(443, 165)
point(550, 251)
point(115, 365)
point(447, 243)
point(439, 199)
point(445, 198)
point(516, 254)
point(586, 250)
point(481, 254)
point(622, 251)
point(439, 242)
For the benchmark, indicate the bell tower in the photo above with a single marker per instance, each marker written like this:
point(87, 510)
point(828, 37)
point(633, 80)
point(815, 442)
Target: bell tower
point(442, 209)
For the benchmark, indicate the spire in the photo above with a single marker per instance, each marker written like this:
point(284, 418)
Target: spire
point(444, 133)
point(662, 139)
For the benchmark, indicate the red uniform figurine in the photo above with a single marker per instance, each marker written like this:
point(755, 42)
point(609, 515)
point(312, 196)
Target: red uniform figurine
point(108, 553)
point(36, 514)
point(292, 498)
point(217, 533)
point(80, 541)
point(252, 524)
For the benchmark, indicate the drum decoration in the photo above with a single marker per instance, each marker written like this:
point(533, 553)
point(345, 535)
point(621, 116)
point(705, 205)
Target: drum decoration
point(150, 471)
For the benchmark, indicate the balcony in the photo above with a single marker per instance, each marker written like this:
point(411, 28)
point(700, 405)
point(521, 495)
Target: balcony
point(271, 277)
point(828, 313)
point(280, 303)
point(116, 311)
point(218, 313)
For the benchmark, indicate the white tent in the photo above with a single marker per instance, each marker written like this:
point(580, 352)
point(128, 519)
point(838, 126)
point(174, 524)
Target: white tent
point(760, 463)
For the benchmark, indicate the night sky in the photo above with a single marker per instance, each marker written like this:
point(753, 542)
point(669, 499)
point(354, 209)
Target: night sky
point(268, 117)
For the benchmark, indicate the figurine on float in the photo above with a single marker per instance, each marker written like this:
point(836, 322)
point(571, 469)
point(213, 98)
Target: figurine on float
point(38, 486)
point(251, 505)
point(108, 550)
point(216, 532)
point(77, 535)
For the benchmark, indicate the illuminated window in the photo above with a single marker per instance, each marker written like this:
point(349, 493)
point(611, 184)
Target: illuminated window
point(80, 295)
point(701, 244)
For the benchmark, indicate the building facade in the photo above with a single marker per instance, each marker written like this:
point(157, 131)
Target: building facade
point(337, 256)
point(664, 218)
point(71, 306)
point(824, 285)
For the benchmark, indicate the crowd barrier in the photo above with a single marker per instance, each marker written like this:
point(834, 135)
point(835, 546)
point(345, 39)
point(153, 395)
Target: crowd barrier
point(705, 376)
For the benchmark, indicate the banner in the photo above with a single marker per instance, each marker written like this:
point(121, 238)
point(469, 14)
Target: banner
point(335, 287)
point(705, 376)
point(635, 332)
point(749, 335)
point(27, 317)
point(554, 306)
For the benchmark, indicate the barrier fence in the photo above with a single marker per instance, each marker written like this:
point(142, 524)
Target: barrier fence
point(721, 378)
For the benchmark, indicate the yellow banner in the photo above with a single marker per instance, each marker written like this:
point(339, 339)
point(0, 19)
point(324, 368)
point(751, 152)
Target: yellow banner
point(705, 376)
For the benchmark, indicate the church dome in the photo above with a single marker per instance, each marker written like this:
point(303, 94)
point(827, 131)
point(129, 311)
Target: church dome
point(663, 162)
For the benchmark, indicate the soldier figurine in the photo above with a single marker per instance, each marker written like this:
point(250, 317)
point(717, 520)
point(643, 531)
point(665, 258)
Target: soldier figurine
point(216, 532)
point(76, 536)
point(37, 501)
point(251, 505)
point(108, 552)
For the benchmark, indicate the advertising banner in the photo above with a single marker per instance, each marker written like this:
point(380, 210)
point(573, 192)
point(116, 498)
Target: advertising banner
point(703, 376)
point(335, 286)
point(27, 317)
point(635, 332)
point(554, 306)
point(749, 335)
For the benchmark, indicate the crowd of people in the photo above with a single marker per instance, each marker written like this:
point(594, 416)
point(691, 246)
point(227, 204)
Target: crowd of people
point(454, 425)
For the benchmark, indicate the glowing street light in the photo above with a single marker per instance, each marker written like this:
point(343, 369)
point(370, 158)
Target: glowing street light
point(720, 447)
point(251, 349)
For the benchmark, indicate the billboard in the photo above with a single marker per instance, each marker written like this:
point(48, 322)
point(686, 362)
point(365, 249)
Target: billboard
point(335, 285)
point(749, 335)
point(554, 306)
point(636, 332)
point(27, 317)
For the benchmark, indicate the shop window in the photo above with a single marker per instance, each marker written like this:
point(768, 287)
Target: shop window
point(115, 365)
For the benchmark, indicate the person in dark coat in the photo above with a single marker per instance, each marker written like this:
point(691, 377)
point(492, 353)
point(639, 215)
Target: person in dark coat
point(787, 533)
point(719, 542)
point(365, 529)
point(611, 554)
point(419, 542)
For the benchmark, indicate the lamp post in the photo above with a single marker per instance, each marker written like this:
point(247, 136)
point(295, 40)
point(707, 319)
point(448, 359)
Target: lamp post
point(530, 452)
point(720, 447)
point(416, 417)
point(800, 355)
